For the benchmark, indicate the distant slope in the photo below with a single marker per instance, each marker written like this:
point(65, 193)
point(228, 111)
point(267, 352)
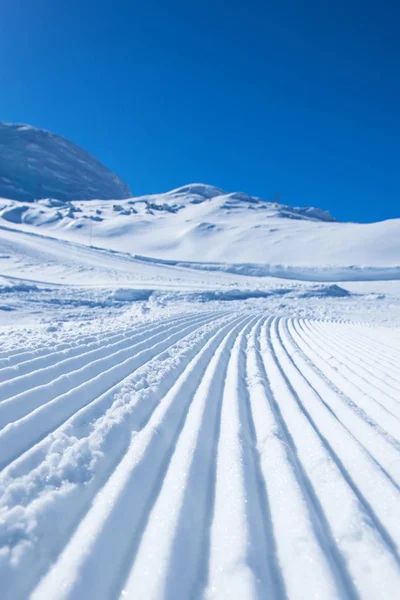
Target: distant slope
point(38, 164)
point(203, 224)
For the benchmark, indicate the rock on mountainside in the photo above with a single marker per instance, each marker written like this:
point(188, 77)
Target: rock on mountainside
point(35, 163)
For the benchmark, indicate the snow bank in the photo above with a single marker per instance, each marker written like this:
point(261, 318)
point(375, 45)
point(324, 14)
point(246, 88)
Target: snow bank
point(130, 295)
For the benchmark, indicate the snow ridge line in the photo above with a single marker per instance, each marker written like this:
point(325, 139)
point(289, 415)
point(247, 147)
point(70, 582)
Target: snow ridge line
point(326, 479)
point(22, 404)
point(88, 343)
point(230, 455)
point(386, 347)
point(241, 545)
point(104, 526)
point(180, 544)
point(342, 376)
point(18, 436)
point(315, 354)
point(364, 376)
point(380, 507)
point(359, 357)
point(96, 438)
point(19, 362)
point(364, 345)
point(381, 447)
point(289, 423)
point(13, 357)
point(64, 368)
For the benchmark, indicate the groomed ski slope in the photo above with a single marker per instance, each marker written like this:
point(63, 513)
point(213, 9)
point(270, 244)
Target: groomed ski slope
point(207, 455)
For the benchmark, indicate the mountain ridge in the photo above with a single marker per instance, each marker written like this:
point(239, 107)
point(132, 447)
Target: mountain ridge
point(36, 163)
point(197, 223)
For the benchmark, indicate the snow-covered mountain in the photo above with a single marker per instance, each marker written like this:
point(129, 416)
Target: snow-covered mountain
point(35, 163)
point(172, 427)
point(46, 183)
point(200, 223)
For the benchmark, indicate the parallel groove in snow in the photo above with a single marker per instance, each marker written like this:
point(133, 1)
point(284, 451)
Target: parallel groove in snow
point(150, 452)
point(239, 535)
point(339, 374)
point(354, 467)
point(213, 455)
point(174, 533)
point(381, 391)
point(364, 430)
point(58, 358)
point(365, 353)
point(29, 392)
point(19, 435)
point(296, 435)
point(336, 379)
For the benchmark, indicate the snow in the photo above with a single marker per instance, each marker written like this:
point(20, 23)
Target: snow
point(203, 403)
point(35, 163)
point(211, 229)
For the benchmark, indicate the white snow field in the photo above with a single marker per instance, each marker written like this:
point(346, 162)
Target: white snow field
point(203, 224)
point(216, 418)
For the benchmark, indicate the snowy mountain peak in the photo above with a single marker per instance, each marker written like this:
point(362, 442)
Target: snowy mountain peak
point(35, 163)
point(199, 193)
point(198, 189)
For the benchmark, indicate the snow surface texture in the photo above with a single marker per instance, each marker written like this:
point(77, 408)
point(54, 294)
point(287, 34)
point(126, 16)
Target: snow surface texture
point(214, 454)
point(174, 429)
point(210, 229)
point(36, 164)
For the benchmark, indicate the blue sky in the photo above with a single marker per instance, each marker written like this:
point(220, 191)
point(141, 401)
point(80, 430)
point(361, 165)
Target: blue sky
point(300, 97)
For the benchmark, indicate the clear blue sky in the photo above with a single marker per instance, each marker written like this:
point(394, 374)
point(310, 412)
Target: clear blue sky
point(259, 96)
